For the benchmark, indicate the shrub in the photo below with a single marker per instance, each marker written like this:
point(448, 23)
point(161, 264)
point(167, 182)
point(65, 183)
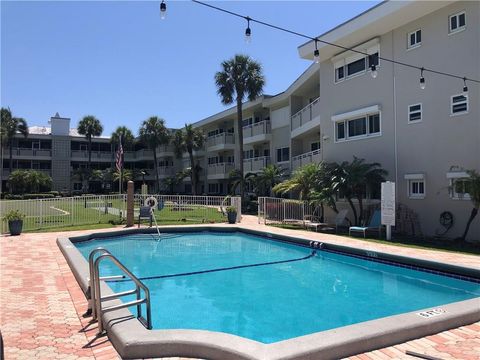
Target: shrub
point(29, 181)
point(13, 215)
point(55, 193)
point(13, 197)
point(232, 209)
point(38, 196)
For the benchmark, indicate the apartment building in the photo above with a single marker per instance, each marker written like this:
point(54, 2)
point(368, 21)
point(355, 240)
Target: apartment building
point(425, 138)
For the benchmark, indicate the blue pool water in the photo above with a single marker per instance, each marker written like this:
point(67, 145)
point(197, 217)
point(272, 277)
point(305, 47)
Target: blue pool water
point(273, 302)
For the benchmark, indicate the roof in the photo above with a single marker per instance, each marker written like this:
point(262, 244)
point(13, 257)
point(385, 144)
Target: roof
point(376, 21)
point(47, 130)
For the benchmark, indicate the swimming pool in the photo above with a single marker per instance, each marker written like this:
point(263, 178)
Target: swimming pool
point(274, 299)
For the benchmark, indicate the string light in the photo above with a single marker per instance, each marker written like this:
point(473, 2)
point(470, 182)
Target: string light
point(316, 53)
point(422, 82)
point(248, 32)
point(422, 79)
point(163, 10)
point(465, 87)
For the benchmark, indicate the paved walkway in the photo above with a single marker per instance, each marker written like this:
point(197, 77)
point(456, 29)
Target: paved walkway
point(42, 305)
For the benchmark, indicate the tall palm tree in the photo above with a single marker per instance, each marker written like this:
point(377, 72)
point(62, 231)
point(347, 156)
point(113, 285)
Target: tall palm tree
point(354, 178)
point(189, 140)
point(473, 189)
point(9, 127)
point(154, 133)
point(124, 133)
point(89, 127)
point(241, 77)
point(303, 181)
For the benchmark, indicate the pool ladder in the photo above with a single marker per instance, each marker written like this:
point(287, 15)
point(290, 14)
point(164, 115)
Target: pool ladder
point(95, 290)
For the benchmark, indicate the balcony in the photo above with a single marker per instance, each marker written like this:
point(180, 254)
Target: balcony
point(96, 155)
point(258, 132)
point(255, 164)
point(306, 119)
point(163, 172)
point(219, 171)
point(223, 141)
point(27, 153)
point(306, 158)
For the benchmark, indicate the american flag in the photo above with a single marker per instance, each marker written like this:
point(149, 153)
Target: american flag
point(119, 157)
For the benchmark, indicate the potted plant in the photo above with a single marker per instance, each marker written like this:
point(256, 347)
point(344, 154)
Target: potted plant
point(232, 214)
point(15, 221)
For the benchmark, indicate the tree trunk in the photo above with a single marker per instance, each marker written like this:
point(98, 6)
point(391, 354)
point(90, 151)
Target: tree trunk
point(473, 214)
point(360, 210)
point(354, 210)
point(240, 146)
point(89, 153)
point(156, 169)
point(10, 149)
point(193, 173)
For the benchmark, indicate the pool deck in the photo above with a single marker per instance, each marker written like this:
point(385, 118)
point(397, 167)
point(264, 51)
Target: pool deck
point(42, 305)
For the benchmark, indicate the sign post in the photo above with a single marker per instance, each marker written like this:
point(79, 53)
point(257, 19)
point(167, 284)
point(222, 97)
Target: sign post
point(388, 206)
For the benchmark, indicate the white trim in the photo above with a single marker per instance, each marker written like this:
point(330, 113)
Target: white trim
point(418, 196)
point(459, 28)
point(368, 135)
point(419, 176)
point(457, 174)
point(362, 47)
point(410, 112)
point(356, 113)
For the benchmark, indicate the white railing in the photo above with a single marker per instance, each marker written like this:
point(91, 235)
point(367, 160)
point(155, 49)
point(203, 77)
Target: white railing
point(221, 139)
point(284, 211)
point(60, 212)
point(255, 164)
point(28, 152)
point(106, 155)
point(307, 114)
point(220, 168)
point(102, 209)
point(306, 158)
point(259, 128)
point(190, 209)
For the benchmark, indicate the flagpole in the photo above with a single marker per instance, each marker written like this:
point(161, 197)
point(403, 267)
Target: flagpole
point(120, 168)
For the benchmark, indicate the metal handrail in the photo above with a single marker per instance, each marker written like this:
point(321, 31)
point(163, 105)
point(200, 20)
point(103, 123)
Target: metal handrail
point(96, 294)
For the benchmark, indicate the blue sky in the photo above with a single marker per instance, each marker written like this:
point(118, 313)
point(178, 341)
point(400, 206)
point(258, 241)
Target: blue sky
point(119, 61)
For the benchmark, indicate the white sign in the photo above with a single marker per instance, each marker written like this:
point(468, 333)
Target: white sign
point(388, 203)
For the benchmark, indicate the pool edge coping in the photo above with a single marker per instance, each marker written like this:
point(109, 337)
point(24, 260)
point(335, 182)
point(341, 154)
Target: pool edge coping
point(132, 340)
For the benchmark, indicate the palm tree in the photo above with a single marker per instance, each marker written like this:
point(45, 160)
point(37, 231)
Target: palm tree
point(189, 140)
point(90, 126)
point(82, 175)
point(126, 175)
point(154, 133)
point(266, 179)
point(124, 133)
point(303, 181)
point(10, 126)
point(240, 78)
point(354, 178)
point(473, 189)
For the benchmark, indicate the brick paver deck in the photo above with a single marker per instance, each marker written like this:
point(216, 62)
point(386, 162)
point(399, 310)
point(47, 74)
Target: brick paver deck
point(42, 305)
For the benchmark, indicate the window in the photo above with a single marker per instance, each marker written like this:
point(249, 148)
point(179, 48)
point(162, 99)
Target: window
point(339, 74)
point(247, 122)
point(248, 154)
point(283, 154)
point(315, 146)
point(415, 113)
point(456, 22)
point(77, 186)
point(356, 67)
point(214, 188)
point(414, 39)
point(459, 104)
point(352, 63)
point(459, 185)
point(416, 189)
point(359, 127)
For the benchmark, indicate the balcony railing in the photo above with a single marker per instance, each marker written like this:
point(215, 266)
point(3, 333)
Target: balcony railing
point(307, 114)
point(259, 128)
point(306, 158)
point(28, 152)
point(255, 164)
point(220, 168)
point(221, 139)
point(105, 155)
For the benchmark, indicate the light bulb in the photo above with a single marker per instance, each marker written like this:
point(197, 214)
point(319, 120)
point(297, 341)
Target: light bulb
point(248, 35)
point(163, 10)
point(465, 90)
point(422, 83)
point(316, 56)
point(374, 72)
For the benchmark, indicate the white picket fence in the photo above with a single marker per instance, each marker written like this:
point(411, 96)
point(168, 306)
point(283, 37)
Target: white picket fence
point(83, 210)
point(284, 211)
